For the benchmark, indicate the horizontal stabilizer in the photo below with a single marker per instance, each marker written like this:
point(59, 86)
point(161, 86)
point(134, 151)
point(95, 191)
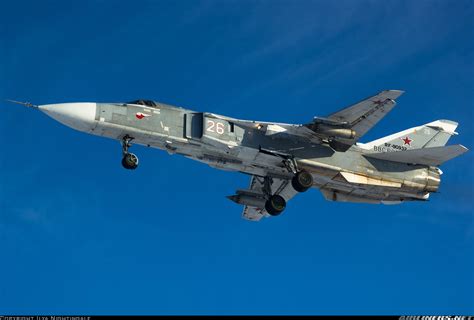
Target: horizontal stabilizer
point(426, 156)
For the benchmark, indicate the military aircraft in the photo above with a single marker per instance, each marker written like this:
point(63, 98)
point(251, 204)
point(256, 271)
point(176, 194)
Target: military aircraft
point(282, 159)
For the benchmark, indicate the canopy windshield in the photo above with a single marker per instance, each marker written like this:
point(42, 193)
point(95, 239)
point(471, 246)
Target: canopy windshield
point(142, 102)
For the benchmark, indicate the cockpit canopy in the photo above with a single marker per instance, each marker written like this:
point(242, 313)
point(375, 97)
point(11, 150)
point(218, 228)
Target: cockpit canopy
point(142, 102)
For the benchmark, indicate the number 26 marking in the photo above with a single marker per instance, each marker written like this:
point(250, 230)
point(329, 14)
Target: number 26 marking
point(216, 127)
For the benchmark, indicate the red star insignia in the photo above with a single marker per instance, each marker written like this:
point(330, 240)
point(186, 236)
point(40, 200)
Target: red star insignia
point(407, 141)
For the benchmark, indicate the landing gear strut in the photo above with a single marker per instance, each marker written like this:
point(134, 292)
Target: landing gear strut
point(129, 160)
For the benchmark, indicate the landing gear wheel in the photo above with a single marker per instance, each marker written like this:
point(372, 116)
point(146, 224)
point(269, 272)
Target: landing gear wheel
point(130, 161)
point(302, 181)
point(275, 205)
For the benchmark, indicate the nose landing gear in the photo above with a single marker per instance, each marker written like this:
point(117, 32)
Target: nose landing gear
point(129, 160)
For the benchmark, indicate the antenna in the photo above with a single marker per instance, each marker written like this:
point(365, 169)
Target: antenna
point(26, 104)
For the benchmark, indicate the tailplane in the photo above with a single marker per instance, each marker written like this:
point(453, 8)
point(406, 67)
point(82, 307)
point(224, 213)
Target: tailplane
point(434, 156)
point(430, 135)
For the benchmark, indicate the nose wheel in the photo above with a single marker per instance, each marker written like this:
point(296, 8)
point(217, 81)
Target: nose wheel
point(129, 160)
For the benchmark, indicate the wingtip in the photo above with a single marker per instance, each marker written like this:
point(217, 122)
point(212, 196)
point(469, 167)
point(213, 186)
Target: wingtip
point(391, 94)
point(396, 92)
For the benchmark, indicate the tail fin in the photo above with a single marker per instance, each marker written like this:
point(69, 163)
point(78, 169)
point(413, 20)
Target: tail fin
point(433, 134)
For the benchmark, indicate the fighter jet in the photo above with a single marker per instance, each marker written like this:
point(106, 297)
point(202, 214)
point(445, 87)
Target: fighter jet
point(282, 159)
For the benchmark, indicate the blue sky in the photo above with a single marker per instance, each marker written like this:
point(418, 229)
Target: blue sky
point(78, 234)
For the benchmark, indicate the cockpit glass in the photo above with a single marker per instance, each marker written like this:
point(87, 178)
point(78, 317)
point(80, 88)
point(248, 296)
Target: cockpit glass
point(142, 102)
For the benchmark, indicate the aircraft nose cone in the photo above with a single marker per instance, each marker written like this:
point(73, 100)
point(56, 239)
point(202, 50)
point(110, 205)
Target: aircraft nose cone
point(79, 116)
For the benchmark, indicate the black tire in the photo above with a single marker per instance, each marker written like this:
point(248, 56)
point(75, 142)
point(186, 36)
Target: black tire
point(275, 205)
point(302, 181)
point(130, 161)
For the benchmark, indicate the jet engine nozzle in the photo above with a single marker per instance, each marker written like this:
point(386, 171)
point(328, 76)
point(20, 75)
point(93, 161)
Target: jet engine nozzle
point(433, 180)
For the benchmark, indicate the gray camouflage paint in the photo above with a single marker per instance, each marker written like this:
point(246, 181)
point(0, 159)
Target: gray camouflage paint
point(225, 144)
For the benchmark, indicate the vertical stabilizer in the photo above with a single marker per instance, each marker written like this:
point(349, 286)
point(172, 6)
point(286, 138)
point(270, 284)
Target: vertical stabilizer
point(433, 134)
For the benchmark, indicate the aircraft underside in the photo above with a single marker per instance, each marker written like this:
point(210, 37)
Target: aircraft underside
point(333, 186)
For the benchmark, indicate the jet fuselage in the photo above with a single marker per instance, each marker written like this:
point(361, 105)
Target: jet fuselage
point(224, 143)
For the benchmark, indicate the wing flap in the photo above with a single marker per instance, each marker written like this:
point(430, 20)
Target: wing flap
point(427, 156)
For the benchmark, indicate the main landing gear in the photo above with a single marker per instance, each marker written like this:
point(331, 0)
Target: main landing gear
point(302, 179)
point(301, 182)
point(129, 160)
point(275, 203)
